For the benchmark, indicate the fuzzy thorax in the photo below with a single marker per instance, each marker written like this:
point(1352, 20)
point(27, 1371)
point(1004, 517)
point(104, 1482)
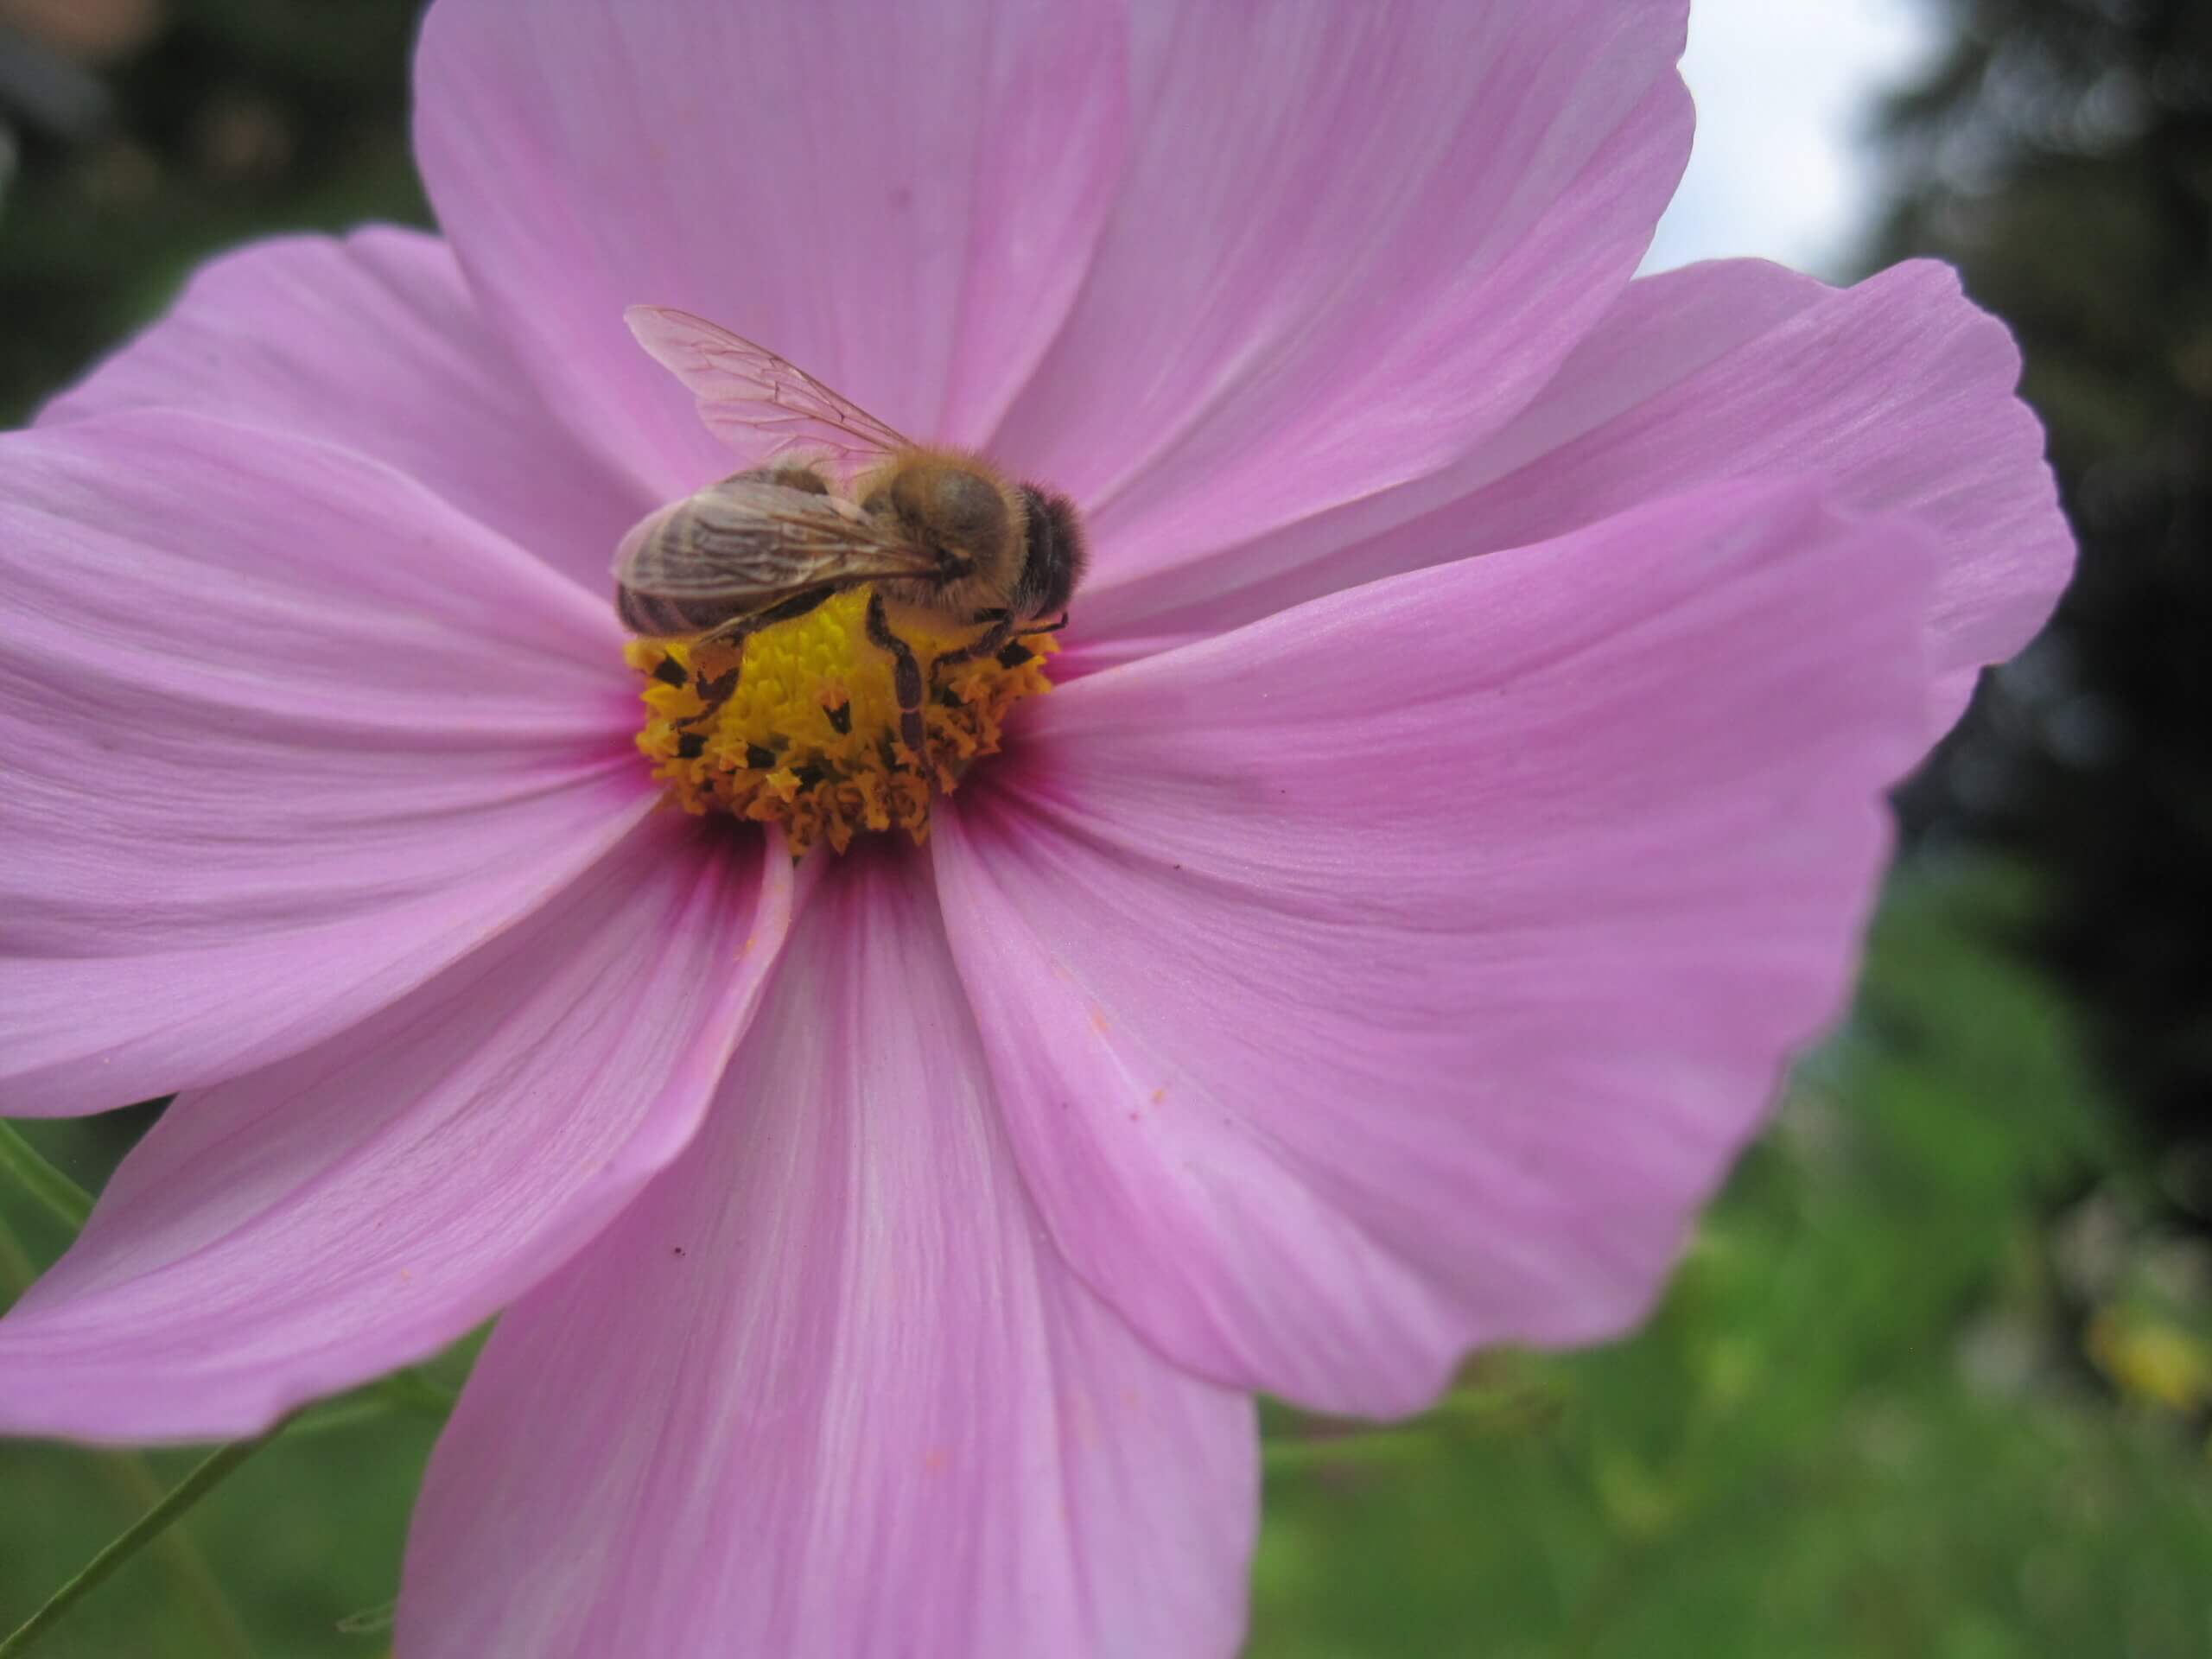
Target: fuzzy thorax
point(807, 735)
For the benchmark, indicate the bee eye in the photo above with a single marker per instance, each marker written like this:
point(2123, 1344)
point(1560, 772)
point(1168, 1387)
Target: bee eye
point(966, 509)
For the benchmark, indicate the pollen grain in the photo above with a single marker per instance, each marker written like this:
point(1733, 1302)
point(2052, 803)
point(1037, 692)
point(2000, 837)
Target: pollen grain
point(806, 735)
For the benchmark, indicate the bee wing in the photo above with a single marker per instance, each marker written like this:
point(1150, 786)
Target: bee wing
point(747, 542)
point(754, 401)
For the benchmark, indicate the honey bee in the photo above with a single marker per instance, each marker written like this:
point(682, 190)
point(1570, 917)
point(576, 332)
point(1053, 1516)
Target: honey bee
point(948, 541)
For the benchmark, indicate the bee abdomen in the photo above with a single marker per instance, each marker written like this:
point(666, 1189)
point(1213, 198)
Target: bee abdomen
point(661, 616)
point(654, 617)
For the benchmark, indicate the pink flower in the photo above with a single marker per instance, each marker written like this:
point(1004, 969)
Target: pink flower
point(1462, 792)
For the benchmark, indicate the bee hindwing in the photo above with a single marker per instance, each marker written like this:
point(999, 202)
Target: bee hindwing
point(757, 402)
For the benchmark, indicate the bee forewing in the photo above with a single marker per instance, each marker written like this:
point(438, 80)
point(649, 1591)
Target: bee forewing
point(639, 556)
point(755, 402)
point(747, 540)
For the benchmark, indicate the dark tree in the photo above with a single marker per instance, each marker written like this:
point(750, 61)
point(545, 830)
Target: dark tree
point(139, 136)
point(2061, 157)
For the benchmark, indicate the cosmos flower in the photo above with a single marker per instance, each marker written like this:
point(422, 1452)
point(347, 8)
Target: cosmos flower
point(1459, 793)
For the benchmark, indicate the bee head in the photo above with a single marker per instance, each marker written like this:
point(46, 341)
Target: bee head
point(1054, 558)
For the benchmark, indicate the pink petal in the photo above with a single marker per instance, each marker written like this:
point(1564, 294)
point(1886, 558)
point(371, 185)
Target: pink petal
point(1897, 395)
point(373, 344)
point(900, 200)
point(1353, 239)
point(1397, 974)
point(363, 1203)
point(825, 1392)
point(283, 733)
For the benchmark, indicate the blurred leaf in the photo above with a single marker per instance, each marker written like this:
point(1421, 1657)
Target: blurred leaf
point(61, 1197)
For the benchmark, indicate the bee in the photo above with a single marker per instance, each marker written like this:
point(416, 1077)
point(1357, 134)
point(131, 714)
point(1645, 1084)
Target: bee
point(948, 542)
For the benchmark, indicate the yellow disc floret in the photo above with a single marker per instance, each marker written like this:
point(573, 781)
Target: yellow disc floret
point(806, 734)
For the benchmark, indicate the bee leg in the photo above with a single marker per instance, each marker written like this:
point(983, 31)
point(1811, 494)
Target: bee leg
point(906, 676)
point(988, 644)
point(738, 630)
point(734, 634)
point(996, 643)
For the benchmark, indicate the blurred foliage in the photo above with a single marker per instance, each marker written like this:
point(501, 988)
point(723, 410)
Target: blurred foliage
point(1935, 1377)
point(1861, 1425)
point(2061, 157)
point(208, 123)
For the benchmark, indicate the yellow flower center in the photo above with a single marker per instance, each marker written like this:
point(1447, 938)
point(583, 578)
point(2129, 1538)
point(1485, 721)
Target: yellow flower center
point(806, 733)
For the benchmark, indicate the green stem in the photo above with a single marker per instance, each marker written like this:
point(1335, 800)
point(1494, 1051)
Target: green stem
point(69, 1202)
point(126, 1474)
point(191, 1580)
point(1466, 1412)
point(1416, 1443)
point(149, 1526)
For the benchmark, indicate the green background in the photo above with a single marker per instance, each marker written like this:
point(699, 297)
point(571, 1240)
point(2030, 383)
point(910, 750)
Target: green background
point(1933, 1379)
